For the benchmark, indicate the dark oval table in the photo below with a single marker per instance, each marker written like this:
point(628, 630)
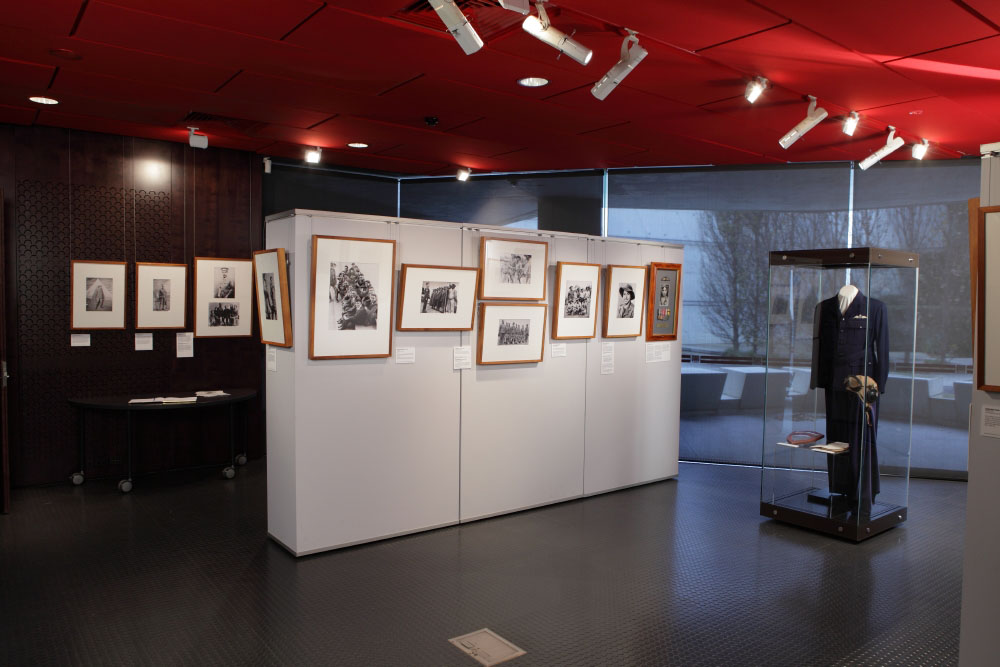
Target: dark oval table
point(121, 403)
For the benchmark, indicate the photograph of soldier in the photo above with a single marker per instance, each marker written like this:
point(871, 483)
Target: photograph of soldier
point(438, 297)
point(626, 300)
point(224, 287)
point(161, 294)
point(353, 299)
point(513, 332)
point(99, 291)
point(515, 269)
point(578, 297)
point(663, 309)
point(270, 303)
point(223, 314)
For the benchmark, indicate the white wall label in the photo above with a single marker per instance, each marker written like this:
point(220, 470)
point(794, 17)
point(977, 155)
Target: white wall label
point(990, 424)
point(272, 359)
point(462, 358)
point(657, 352)
point(406, 355)
point(79, 340)
point(607, 358)
point(144, 341)
point(558, 349)
point(185, 344)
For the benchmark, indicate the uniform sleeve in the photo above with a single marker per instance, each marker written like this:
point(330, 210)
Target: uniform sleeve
point(881, 341)
point(814, 376)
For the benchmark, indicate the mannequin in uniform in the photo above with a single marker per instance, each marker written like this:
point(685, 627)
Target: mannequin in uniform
point(851, 338)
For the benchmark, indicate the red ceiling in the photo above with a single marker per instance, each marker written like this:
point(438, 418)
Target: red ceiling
point(281, 75)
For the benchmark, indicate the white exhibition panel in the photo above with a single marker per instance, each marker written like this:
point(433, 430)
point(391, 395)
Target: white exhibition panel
point(363, 449)
point(633, 414)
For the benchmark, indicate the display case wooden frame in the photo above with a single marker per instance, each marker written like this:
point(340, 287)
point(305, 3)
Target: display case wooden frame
point(493, 266)
point(410, 312)
point(988, 295)
point(210, 307)
point(86, 308)
point(610, 327)
point(147, 315)
point(343, 343)
point(275, 330)
point(487, 354)
point(663, 316)
point(565, 326)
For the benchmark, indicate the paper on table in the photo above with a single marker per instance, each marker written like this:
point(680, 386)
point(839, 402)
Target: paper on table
point(144, 341)
point(272, 359)
point(558, 349)
point(461, 357)
point(210, 394)
point(79, 340)
point(406, 355)
point(607, 358)
point(185, 344)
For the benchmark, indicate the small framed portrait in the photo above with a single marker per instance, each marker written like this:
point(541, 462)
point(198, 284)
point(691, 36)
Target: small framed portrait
point(351, 304)
point(98, 295)
point(513, 270)
point(274, 313)
point(436, 298)
point(511, 333)
point(663, 310)
point(577, 287)
point(624, 301)
point(223, 299)
point(160, 295)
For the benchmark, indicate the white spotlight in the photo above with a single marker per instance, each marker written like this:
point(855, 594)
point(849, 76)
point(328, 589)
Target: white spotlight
point(812, 119)
point(463, 174)
point(892, 143)
point(920, 150)
point(267, 165)
point(539, 27)
point(197, 140)
point(630, 58)
point(459, 26)
point(520, 6)
point(851, 123)
point(755, 88)
point(313, 155)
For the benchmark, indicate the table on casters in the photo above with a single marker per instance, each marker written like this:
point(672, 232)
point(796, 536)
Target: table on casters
point(233, 398)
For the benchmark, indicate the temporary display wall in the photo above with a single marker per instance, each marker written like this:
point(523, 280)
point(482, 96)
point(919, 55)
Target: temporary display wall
point(363, 449)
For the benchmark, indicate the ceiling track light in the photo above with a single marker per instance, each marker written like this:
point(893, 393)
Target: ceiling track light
point(851, 123)
point(812, 119)
point(463, 174)
point(519, 6)
point(892, 143)
point(540, 28)
point(629, 59)
point(755, 88)
point(920, 150)
point(313, 155)
point(456, 23)
point(197, 140)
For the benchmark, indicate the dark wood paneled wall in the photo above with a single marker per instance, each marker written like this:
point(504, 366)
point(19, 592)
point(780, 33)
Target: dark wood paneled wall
point(80, 195)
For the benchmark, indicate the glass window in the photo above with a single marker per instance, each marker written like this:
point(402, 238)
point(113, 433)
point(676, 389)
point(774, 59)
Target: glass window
point(288, 187)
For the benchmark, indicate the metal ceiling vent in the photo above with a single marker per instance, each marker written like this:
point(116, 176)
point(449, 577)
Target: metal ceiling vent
point(486, 16)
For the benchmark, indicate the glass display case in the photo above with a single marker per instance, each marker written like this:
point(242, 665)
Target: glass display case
point(842, 324)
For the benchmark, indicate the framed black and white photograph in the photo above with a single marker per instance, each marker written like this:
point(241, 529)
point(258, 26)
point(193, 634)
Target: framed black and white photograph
point(98, 295)
point(160, 295)
point(511, 333)
point(513, 270)
point(577, 287)
point(663, 309)
point(223, 299)
point(274, 316)
point(351, 303)
point(436, 298)
point(624, 301)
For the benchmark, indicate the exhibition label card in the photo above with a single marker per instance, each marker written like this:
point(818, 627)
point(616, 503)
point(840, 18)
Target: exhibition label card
point(607, 358)
point(657, 352)
point(79, 340)
point(143, 341)
point(462, 357)
point(272, 359)
point(558, 349)
point(990, 424)
point(406, 355)
point(185, 344)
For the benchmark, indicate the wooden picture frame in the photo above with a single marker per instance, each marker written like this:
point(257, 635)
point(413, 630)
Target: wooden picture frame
point(499, 322)
point(351, 295)
point(274, 305)
point(624, 294)
point(97, 290)
point(663, 316)
point(512, 269)
point(436, 298)
point(988, 295)
point(223, 297)
point(575, 312)
point(160, 295)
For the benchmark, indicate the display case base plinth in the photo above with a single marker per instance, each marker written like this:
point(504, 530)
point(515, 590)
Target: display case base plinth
point(797, 509)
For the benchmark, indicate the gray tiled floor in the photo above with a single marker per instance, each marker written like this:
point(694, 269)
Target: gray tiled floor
point(681, 572)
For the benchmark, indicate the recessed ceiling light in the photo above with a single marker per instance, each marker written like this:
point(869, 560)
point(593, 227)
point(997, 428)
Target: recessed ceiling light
point(43, 100)
point(357, 144)
point(917, 112)
point(533, 81)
